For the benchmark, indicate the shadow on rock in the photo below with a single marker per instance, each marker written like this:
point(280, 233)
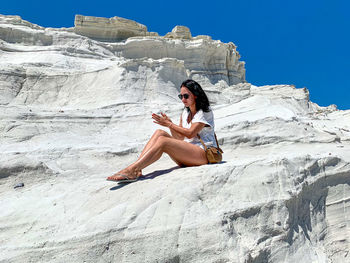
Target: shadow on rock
point(147, 177)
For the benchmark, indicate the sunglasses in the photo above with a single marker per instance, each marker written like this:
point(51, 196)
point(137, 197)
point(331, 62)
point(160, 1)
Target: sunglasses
point(185, 96)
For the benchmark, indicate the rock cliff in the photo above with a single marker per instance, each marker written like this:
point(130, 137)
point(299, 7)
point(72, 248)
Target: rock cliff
point(109, 29)
point(73, 110)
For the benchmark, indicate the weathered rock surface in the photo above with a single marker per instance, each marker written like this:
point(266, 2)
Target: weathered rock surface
point(180, 32)
point(75, 111)
point(109, 29)
point(15, 30)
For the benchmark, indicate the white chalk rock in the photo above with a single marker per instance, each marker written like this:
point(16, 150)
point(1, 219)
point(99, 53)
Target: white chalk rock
point(57, 73)
point(181, 32)
point(22, 31)
point(108, 29)
point(76, 110)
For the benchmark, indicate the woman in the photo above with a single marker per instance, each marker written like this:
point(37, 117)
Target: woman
point(183, 145)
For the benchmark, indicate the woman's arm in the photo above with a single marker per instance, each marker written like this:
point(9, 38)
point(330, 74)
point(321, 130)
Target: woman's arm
point(189, 133)
point(175, 134)
point(183, 132)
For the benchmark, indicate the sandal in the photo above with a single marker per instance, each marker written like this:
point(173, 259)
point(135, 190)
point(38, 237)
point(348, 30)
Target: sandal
point(125, 179)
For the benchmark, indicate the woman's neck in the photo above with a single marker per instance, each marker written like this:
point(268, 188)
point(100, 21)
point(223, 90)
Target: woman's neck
point(193, 110)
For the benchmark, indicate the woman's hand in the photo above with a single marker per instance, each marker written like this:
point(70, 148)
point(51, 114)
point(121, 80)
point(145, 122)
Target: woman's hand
point(162, 120)
point(166, 117)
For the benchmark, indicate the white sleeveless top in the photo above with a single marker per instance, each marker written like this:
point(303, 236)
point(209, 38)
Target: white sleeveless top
point(207, 133)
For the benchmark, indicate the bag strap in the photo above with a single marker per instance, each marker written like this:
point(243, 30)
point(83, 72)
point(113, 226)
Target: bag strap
point(205, 147)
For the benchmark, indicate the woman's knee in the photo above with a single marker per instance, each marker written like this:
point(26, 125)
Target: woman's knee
point(162, 142)
point(160, 133)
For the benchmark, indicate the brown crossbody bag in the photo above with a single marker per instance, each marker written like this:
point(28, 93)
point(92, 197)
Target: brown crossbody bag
point(214, 155)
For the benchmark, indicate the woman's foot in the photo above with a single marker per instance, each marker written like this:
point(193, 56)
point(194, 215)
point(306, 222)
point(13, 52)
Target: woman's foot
point(125, 175)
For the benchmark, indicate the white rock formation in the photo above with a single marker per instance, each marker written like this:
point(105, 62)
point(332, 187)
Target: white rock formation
point(109, 29)
point(181, 32)
point(74, 111)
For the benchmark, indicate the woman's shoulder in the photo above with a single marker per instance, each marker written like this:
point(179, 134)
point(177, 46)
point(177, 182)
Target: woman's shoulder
point(206, 114)
point(203, 115)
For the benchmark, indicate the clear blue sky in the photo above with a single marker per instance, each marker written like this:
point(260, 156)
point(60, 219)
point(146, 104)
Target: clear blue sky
point(300, 42)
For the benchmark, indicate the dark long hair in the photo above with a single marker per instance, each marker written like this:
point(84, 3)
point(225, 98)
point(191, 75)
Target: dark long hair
point(202, 102)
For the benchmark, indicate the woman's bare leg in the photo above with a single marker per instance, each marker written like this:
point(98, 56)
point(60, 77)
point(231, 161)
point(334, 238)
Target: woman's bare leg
point(157, 134)
point(180, 151)
point(152, 141)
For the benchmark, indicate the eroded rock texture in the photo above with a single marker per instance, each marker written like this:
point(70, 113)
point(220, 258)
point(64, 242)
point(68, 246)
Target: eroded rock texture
point(108, 29)
point(74, 110)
